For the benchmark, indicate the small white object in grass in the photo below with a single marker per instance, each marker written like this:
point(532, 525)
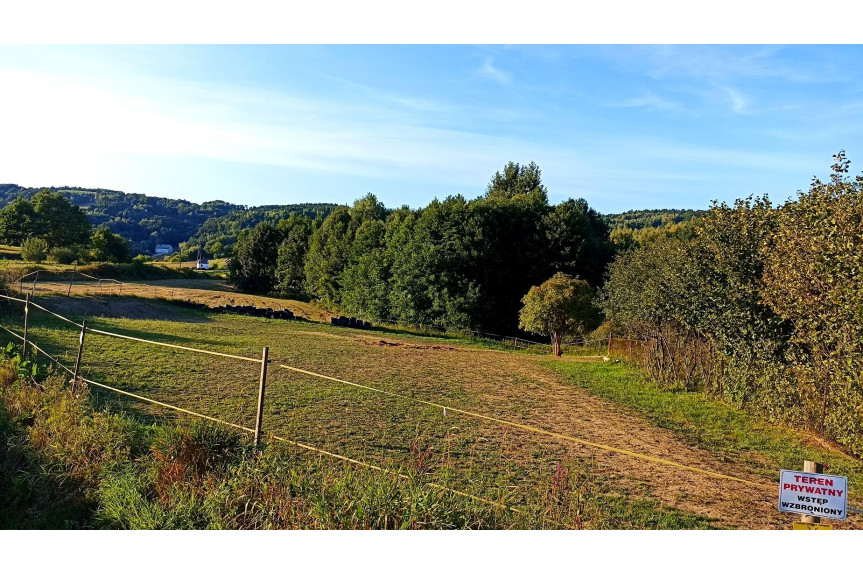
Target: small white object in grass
point(606, 358)
point(444, 411)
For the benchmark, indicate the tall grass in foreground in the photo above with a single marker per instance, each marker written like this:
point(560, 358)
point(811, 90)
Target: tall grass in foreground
point(67, 464)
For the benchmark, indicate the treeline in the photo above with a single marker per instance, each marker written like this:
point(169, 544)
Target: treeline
point(454, 264)
point(49, 226)
point(760, 305)
point(143, 220)
point(218, 235)
point(641, 219)
point(639, 227)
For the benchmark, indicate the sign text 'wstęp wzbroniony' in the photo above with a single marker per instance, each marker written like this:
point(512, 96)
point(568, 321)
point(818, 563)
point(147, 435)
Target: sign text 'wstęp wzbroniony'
point(813, 494)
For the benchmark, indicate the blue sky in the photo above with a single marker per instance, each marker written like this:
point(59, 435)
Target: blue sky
point(625, 127)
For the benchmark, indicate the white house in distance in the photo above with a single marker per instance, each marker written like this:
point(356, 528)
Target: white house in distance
point(164, 249)
point(203, 262)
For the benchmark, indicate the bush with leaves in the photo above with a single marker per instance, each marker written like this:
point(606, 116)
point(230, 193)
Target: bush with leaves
point(561, 307)
point(64, 255)
point(34, 250)
point(762, 307)
point(813, 277)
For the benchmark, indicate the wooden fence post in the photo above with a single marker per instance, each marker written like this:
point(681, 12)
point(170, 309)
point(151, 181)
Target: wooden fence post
point(811, 467)
point(26, 316)
point(33, 291)
point(71, 279)
point(80, 351)
point(263, 385)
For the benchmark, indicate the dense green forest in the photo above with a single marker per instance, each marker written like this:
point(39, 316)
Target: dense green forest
point(760, 305)
point(639, 219)
point(454, 264)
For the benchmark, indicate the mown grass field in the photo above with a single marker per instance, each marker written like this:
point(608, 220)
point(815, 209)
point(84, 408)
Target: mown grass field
point(503, 464)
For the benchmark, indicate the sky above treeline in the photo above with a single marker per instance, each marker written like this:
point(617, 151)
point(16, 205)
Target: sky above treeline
point(625, 127)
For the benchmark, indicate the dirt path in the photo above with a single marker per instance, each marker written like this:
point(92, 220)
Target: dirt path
point(734, 504)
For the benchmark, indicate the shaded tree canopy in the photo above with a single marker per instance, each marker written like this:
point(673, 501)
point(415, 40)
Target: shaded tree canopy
point(253, 266)
point(48, 216)
point(110, 247)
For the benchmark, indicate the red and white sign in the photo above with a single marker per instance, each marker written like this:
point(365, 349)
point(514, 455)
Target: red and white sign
point(813, 494)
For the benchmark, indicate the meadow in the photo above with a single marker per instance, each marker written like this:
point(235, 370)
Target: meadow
point(502, 464)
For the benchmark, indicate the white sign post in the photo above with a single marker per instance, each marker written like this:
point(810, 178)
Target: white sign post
point(813, 494)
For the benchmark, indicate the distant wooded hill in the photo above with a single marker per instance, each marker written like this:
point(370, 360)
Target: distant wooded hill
point(143, 220)
point(146, 220)
point(638, 219)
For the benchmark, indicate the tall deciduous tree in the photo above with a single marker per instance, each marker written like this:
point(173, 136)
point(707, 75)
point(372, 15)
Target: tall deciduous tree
point(434, 277)
point(253, 266)
point(290, 264)
point(17, 222)
point(110, 247)
point(58, 221)
point(562, 306)
point(517, 180)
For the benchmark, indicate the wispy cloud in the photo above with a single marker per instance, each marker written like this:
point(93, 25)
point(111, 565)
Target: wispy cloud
point(489, 71)
point(739, 103)
point(648, 100)
point(722, 63)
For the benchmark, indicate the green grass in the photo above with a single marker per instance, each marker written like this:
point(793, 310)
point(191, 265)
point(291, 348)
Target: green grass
point(510, 466)
point(70, 463)
point(704, 422)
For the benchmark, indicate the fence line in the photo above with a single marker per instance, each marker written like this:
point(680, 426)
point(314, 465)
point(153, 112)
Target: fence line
point(128, 337)
point(256, 433)
point(531, 428)
point(171, 345)
point(521, 343)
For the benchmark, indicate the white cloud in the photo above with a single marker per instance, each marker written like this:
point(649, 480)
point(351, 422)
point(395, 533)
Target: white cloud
point(489, 71)
point(649, 100)
point(739, 103)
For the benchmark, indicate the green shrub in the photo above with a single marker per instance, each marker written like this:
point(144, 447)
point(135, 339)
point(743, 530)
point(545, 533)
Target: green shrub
point(34, 250)
point(63, 255)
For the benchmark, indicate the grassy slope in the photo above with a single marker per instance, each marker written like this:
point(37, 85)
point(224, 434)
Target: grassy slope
point(713, 425)
point(460, 453)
